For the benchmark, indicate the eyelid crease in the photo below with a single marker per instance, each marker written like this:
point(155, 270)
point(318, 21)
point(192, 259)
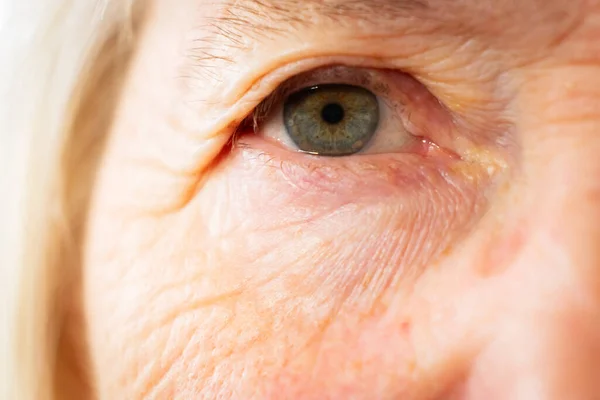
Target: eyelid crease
point(256, 94)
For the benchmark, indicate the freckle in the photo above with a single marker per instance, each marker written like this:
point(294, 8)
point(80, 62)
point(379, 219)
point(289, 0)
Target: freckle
point(405, 328)
point(502, 250)
point(412, 366)
point(446, 251)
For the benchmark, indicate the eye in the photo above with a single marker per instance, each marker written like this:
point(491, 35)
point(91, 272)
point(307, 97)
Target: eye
point(331, 119)
point(342, 111)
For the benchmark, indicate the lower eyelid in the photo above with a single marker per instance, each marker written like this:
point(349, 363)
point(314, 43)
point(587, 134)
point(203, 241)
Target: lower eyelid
point(425, 198)
point(366, 177)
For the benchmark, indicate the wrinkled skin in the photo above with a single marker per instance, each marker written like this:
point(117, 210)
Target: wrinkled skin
point(466, 270)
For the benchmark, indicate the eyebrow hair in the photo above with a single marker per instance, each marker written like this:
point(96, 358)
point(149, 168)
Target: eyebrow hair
point(266, 12)
point(295, 11)
point(240, 23)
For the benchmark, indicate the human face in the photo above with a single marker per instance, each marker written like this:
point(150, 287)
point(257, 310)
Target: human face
point(454, 256)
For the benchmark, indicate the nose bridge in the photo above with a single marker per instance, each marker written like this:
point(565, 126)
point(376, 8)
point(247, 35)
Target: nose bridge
point(564, 208)
point(547, 344)
point(559, 130)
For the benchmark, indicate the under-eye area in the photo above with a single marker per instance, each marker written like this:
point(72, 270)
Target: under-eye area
point(342, 163)
point(334, 152)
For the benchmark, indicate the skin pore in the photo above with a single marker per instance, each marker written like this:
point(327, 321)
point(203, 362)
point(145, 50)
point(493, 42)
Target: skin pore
point(456, 259)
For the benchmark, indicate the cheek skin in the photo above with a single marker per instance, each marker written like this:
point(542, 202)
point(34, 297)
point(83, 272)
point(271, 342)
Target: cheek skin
point(337, 222)
point(280, 275)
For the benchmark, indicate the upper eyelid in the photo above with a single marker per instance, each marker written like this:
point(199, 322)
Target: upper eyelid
point(272, 84)
point(337, 74)
point(256, 86)
point(224, 110)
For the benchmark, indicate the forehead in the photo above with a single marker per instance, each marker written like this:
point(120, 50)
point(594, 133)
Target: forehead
point(221, 40)
point(474, 11)
point(241, 21)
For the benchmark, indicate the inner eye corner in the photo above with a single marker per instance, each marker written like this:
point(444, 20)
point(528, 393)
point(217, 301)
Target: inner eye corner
point(256, 116)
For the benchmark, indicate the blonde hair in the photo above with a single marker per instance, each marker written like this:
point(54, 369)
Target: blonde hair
point(56, 57)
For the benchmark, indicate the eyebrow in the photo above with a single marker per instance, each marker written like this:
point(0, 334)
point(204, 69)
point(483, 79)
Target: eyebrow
point(238, 24)
point(293, 11)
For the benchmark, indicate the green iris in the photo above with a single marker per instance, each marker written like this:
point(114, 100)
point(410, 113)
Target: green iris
point(331, 120)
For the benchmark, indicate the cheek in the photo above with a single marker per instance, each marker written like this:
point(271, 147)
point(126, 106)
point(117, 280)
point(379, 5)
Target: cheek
point(275, 270)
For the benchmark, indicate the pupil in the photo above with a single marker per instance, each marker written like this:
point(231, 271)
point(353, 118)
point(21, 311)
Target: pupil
point(332, 113)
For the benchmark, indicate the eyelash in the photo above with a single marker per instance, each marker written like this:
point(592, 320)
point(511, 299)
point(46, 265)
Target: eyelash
point(329, 74)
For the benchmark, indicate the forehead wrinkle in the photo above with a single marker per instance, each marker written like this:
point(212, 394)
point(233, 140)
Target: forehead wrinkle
point(238, 25)
point(286, 12)
point(234, 27)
